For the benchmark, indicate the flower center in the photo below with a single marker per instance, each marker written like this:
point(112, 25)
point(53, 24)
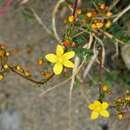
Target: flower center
point(60, 60)
point(98, 108)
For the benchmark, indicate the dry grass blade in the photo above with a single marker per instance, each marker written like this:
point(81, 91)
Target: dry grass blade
point(54, 20)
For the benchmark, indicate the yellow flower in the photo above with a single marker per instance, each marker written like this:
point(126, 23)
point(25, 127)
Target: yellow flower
point(99, 108)
point(60, 59)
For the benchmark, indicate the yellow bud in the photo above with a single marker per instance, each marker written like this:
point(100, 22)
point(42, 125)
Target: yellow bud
point(1, 76)
point(120, 116)
point(78, 11)
point(46, 74)
point(119, 99)
point(40, 61)
point(71, 18)
point(7, 54)
point(2, 53)
point(6, 66)
point(128, 98)
point(19, 68)
point(105, 88)
point(109, 14)
point(27, 74)
point(93, 26)
point(108, 24)
point(99, 25)
point(89, 14)
point(127, 91)
point(102, 6)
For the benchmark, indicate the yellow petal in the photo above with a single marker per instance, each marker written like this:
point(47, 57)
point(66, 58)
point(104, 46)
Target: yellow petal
point(59, 50)
point(105, 114)
point(51, 58)
point(58, 68)
point(91, 106)
point(94, 115)
point(68, 64)
point(97, 103)
point(69, 55)
point(105, 105)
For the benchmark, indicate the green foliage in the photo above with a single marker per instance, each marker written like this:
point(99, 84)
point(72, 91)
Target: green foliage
point(83, 53)
point(120, 32)
point(81, 40)
point(27, 14)
point(108, 79)
point(70, 1)
point(77, 83)
point(126, 79)
point(111, 77)
point(1, 2)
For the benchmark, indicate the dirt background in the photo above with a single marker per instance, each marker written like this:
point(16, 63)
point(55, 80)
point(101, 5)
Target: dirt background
point(21, 107)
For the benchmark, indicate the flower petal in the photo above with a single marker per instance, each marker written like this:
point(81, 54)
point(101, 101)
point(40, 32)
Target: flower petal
point(97, 103)
point(59, 50)
point(69, 55)
point(58, 68)
point(94, 115)
point(91, 106)
point(105, 105)
point(68, 64)
point(51, 58)
point(105, 114)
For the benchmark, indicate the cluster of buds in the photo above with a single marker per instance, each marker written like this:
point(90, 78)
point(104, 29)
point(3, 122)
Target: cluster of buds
point(18, 69)
point(122, 104)
point(123, 99)
point(98, 19)
point(22, 71)
point(5, 67)
point(3, 61)
point(101, 24)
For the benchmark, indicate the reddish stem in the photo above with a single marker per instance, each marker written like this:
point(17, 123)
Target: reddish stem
point(75, 7)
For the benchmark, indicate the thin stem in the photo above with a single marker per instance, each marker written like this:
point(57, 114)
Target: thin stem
point(54, 87)
point(40, 22)
point(113, 5)
point(54, 20)
point(93, 59)
point(121, 13)
point(30, 78)
point(77, 63)
point(75, 7)
point(111, 37)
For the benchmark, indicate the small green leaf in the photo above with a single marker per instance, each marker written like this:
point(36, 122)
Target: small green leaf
point(27, 13)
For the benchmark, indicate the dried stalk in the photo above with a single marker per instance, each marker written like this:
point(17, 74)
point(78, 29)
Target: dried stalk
point(41, 22)
point(121, 14)
point(54, 20)
point(88, 68)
